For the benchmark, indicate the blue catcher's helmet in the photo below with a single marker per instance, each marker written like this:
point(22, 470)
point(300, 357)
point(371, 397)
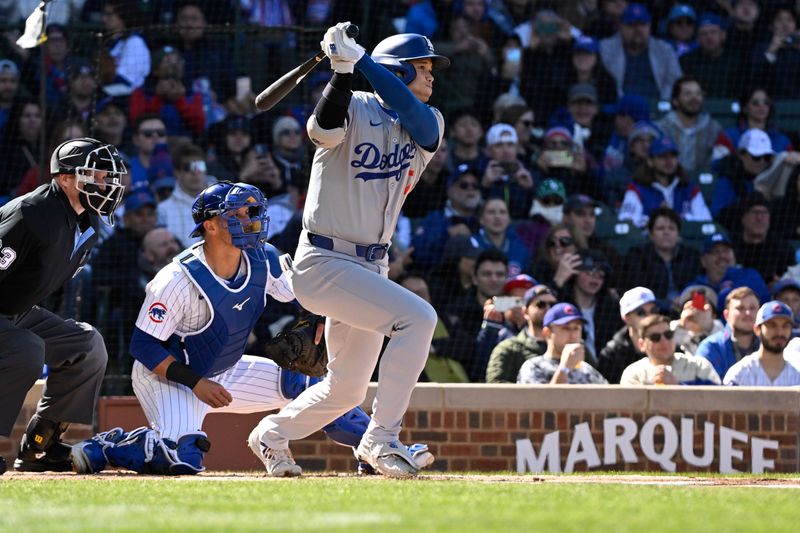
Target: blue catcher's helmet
point(394, 53)
point(248, 231)
point(208, 204)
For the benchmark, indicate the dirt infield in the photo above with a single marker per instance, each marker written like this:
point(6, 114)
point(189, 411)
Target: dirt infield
point(632, 479)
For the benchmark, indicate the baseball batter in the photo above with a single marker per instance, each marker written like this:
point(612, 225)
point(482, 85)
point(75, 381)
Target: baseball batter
point(190, 335)
point(371, 151)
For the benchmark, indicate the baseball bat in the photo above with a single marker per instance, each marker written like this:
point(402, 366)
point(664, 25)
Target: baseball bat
point(278, 90)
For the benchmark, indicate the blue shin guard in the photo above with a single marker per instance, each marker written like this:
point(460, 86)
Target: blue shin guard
point(144, 452)
point(88, 457)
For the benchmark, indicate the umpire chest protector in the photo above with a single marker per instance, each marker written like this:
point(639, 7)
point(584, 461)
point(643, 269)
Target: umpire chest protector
point(234, 313)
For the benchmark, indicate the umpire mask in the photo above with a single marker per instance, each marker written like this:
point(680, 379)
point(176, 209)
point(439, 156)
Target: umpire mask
point(98, 170)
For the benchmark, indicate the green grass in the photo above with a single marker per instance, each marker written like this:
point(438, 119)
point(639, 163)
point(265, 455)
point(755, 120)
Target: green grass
point(350, 504)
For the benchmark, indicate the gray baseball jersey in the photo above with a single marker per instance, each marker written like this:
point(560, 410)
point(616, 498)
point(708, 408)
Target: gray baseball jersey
point(361, 175)
point(357, 187)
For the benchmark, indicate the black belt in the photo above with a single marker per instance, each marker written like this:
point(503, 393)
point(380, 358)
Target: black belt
point(372, 252)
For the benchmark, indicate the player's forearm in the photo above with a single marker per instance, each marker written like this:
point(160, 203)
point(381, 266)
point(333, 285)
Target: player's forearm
point(331, 110)
point(148, 350)
point(417, 117)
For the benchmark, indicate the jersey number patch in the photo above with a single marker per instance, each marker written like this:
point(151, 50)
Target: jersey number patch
point(7, 256)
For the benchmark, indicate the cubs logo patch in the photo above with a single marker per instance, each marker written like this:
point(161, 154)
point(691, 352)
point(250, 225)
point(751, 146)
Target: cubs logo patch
point(157, 312)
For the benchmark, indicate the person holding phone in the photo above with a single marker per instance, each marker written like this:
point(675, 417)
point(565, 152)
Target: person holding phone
point(564, 361)
point(696, 306)
point(508, 356)
point(662, 364)
point(504, 175)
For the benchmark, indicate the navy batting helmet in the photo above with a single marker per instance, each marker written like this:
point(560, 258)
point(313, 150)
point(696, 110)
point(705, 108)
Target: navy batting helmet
point(394, 53)
point(208, 204)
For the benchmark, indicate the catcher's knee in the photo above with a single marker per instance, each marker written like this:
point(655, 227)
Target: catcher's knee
point(348, 429)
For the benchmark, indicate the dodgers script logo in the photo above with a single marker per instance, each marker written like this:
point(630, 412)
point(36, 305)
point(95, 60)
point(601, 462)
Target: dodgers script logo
point(382, 166)
point(157, 312)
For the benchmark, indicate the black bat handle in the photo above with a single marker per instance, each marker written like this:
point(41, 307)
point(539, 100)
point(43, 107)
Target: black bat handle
point(351, 31)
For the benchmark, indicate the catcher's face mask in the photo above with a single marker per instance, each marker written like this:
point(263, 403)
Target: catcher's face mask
point(244, 213)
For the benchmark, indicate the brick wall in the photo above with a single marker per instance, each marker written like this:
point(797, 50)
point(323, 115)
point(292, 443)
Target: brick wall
point(475, 427)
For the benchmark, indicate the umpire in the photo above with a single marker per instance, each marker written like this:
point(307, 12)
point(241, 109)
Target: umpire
point(46, 237)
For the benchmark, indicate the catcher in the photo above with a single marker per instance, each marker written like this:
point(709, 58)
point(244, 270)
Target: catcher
point(189, 339)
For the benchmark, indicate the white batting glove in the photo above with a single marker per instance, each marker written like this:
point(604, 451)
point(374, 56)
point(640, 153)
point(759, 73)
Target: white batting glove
point(343, 51)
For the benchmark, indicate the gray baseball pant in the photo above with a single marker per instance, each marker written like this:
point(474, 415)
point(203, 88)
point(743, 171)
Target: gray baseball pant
point(362, 306)
point(76, 358)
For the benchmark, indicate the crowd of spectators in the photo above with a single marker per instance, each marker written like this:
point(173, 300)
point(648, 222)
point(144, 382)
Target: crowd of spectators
point(592, 216)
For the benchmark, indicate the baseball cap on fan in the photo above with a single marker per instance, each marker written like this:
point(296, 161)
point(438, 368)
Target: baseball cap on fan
point(773, 309)
point(562, 313)
point(501, 133)
point(523, 281)
point(636, 14)
point(634, 298)
point(139, 198)
point(756, 143)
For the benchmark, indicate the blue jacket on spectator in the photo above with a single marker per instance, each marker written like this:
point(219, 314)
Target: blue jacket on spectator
point(736, 277)
point(431, 236)
point(514, 249)
point(718, 348)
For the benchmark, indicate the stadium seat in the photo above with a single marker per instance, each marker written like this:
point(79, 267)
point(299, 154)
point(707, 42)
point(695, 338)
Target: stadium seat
point(724, 110)
point(621, 234)
point(707, 182)
point(695, 233)
point(787, 115)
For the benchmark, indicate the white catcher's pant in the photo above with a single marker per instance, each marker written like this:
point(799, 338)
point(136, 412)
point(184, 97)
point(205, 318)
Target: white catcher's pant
point(362, 306)
point(173, 410)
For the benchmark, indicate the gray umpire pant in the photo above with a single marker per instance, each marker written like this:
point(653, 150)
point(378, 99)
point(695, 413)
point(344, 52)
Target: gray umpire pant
point(75, 355)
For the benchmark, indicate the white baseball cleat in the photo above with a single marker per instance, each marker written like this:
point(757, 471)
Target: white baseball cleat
point(279, 463)
point(388, 458)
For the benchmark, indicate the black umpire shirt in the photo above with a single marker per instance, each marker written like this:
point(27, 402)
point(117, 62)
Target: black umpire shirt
point(43, 243)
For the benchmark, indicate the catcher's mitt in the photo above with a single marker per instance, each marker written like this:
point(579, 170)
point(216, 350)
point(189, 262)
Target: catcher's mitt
point(294, 349)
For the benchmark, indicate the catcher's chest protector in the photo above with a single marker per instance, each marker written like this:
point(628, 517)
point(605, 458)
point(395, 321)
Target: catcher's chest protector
point(234, 313)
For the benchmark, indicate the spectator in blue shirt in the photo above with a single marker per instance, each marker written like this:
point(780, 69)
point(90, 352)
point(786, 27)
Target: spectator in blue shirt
point(496, 232)
point(459, 217)
point(721, 273)
point(725, 348)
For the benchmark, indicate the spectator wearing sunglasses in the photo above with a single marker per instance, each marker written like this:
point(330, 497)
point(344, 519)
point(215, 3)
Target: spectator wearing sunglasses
point(175, 213)
point(662, 365)
point(458, 217)
point(697, 308)
point(149, 131)
point(623, 348)
point(564, 360)
point(507, 357)
point(756, 111)
point(557, 259)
